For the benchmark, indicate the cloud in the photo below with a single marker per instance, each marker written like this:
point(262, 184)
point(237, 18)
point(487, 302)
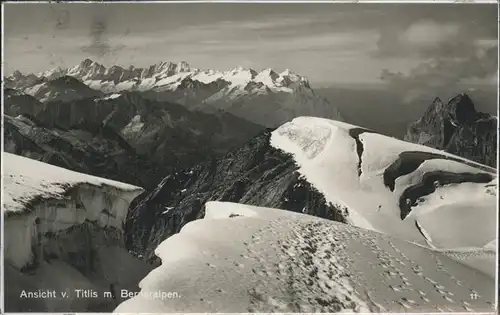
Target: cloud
point(428, 33)
point(426, 38)
point(448, 53)
point(431, 76)
point(268, 23)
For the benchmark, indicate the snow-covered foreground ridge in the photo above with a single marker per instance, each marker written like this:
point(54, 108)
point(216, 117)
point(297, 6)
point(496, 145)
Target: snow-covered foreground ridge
point(395, 187)
point(59, 199)
point(247, 259)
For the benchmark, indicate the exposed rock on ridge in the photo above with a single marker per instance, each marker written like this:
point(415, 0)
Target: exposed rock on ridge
point(456, 127)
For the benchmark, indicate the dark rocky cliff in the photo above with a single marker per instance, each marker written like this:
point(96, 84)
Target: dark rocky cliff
point(456, 127)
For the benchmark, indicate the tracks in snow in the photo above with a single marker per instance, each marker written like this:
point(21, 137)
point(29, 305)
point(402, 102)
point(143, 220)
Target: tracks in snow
point(324, 267)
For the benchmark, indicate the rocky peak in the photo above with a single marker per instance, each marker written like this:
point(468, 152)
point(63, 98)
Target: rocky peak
point(288, 77)
point(461, 109)
point(241, 70)
point(87, 69)
point(270, 73)
point(17, 75)
point(183, 67)
point(433, 110)
point(86, 63)
point(163, 67)
point(89, 64)
point(437, 103)
point(52, 73)
point(456, 127)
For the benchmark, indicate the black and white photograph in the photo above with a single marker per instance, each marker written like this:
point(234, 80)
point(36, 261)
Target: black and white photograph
point(281, 157)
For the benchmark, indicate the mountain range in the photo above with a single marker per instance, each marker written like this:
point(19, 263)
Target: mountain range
point(266, 97)
point(137, 125)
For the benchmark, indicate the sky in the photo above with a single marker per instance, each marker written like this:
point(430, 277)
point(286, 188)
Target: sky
point(404, 45)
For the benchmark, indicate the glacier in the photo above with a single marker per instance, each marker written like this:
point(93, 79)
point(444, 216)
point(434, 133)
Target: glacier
point(63, 232)
point(242, 258)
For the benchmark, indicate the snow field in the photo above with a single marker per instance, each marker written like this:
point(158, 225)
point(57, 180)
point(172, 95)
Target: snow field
point(267, 260)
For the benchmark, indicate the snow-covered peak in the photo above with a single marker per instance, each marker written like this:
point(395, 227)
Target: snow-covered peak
point(166, 69)
point(87, 64)
point(168, 75)
point(238, 69)
point(52, 73)
point(86, 70)
point(239, 76)
point(370, 174)
point(163, 66)
point(287, 72)
point(288, 77)
point(267, 77)
point(18, 80)
point(191, 86)
point(269, 72)
point(18, 76)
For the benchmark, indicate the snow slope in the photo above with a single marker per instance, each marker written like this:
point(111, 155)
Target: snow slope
point(247, 259)
point(387, 184)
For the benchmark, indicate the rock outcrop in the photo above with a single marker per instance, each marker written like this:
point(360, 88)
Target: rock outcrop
point(456, 127)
